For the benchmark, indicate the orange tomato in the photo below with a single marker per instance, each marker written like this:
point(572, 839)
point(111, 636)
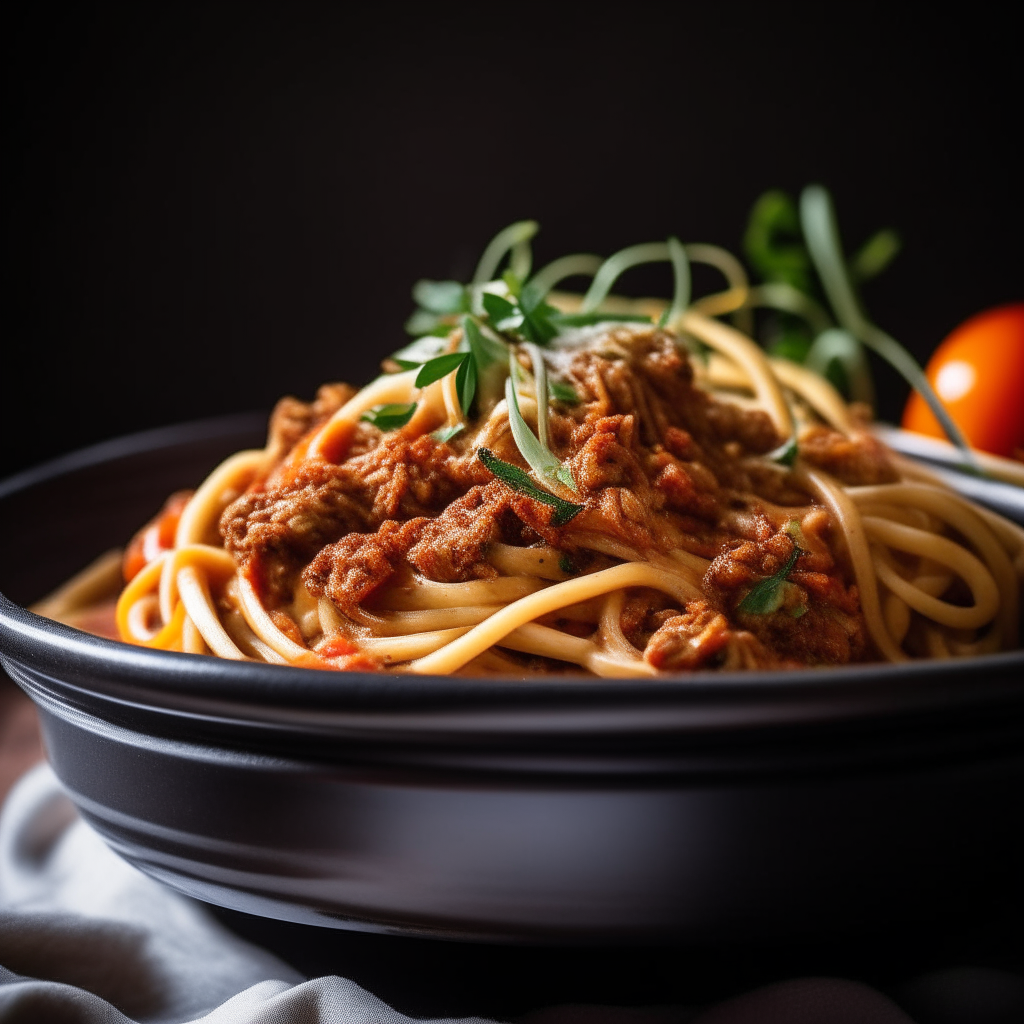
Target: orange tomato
point(978, 372)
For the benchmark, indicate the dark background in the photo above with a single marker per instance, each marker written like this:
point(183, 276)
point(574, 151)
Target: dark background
point(207, 208)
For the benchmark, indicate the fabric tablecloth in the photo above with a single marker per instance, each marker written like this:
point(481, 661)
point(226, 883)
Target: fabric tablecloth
point(86, 937)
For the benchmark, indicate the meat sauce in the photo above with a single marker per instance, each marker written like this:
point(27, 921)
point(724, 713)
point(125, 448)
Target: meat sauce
point(660, 466)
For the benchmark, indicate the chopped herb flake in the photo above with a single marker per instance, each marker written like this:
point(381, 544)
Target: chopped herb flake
point(785, 454)
point(562, 392)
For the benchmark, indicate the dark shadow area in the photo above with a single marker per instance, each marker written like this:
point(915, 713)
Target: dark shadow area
point(422, 977)
point(208, 208)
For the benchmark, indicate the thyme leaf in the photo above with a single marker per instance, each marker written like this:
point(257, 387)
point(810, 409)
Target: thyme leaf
point(519, 481)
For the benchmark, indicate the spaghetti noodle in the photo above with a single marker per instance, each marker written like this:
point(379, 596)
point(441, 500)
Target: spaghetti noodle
point(536, 489)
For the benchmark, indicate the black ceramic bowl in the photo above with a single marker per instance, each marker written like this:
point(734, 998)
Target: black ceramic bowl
point(809, 803)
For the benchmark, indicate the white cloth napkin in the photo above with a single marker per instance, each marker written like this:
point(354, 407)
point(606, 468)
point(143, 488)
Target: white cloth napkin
point(84, 937)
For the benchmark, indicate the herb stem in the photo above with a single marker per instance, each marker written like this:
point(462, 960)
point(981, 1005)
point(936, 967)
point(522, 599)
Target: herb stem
point(540, 385)
point(581, 264)
point(616, 265)
point(514, 235)
point(821, 233)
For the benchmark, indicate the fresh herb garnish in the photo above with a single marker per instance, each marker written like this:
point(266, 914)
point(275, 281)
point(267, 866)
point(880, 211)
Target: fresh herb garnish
point(438, 302)
point(562, 320)
point(817, 217)
point(419, 351)
point(440, 366)
point(513, 240)
point(671, 251)
point(465, 382)
point(490, 358)
point(773, 245)
point(390, 417)
point(447, 433)
point(767, 596)
point(441, 296)
point(540, 458)
point(520, 482)
point(567, 565)
point(525, 316)
point(562, 392)
point(786, 453)
point(502, 314)
point(795, 530)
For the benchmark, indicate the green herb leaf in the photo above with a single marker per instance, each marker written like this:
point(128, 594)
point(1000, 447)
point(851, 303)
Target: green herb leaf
point(390, 417)
point(773, 244)
point(484, 348)
point(441, 296)
point(794, 529)
point(785, 454)
point(424, 322)
point(514, 477)
point(567, 565)
point(515, 238)
point(512, 280)
point(875, 255)
point(766, 597)
point(491, 358)
point(791, 344)
point(465, 383)
point(499, 310)
point(421, 350)
point(539, 457)
point(447, 433)
point(562, 392)
point(440, 367)
point(839, 357)
point(818, 218)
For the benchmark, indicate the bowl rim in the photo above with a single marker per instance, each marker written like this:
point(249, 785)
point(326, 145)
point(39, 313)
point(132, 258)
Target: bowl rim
point(185, 684)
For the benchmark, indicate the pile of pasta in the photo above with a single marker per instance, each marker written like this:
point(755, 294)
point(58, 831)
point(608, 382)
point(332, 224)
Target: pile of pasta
point(906, 544)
